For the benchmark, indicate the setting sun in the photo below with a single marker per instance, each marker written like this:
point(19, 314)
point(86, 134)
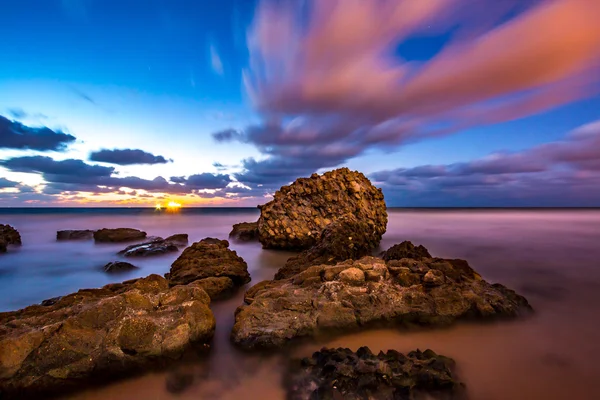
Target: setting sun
point(173, 205)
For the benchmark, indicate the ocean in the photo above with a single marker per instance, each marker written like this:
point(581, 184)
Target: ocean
point(552, 257)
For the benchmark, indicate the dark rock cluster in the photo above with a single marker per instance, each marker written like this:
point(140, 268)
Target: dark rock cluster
point(118, 235)
point(298, 213)
point(405, 250)
point(84, 234)
point(369, 291)
point(100, 332)
point(209, 258)
point(343, 374)
point(8, 236)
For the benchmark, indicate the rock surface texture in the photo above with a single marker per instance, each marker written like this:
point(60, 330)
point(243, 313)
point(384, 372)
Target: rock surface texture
point(8, 236)
point(155, 247)
point(244, 231)
point(209, 258)
point(84, 234)
point(367, 292)
point(118, 235)
point(405, 250)
point(346, 238)
point(98, 333)
point(344, 374)
point(118, 266)
point(298, 213)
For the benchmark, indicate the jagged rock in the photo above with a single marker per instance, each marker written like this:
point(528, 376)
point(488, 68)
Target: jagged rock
point(216, 288)
point(85, 234)
point(209, 258)
point(119, 266)
point(179, 239)
point(405, 250)
point(118, 235)
point(154, 247)
point(298, 213)
point(344, 239)
point(100, 333)
point(343, 374)
point(369, 291)
point(8, 236)
point(244, 231)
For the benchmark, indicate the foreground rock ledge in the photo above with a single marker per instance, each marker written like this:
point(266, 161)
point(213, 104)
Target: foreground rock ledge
point(369, 291)
point(298, 213)
point(97, 333)
point(211, 265)
point(344, 374)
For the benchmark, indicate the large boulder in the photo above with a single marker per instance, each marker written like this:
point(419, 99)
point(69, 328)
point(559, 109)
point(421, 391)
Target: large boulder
point(84, 234)
point(118, 235)
point(369, 291)
point(344, 374)
point(8, 236)
point(298, 213)
point(346, 238)
point(244, 231)
point(209, 258)
point(100, 333)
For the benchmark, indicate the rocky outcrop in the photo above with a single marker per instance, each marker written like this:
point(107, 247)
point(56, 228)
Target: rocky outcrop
point(8, 236)
point(154, 247)
point(84, 234)
point(118, 235)
point(344, 374)
point(298, 213)
point(244, 231)
point(405, 250)
point(347, 238)
point(179, 239)
point(209, 258)
point(98, 333)
point(369, 291)
point(119, 266)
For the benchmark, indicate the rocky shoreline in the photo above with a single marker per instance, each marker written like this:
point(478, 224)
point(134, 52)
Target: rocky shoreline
point(334, 284)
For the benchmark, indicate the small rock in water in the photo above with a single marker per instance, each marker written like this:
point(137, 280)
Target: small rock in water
point(85, 234)
point(244, 231)
point(155, 247)
point(119, 266)
point(8, 236)
point(179, 239)
point(118, 235)
point(344, 374)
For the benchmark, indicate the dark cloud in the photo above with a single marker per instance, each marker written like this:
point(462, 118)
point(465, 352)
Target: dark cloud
point(17, 113)
point(178, 179)
point(47, 166)
point(126, 157)
point(228, 135)
point(14, 135)
point(553, 174)
point(207, 181)
point(5, 183)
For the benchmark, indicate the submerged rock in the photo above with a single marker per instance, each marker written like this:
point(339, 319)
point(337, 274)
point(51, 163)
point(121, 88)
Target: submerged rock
point(85, 234)
point(344, 239)
point(369, 291)
point(154, 247)
point(344, 374)
point(298, 213)
point(100, 333)
point(179, 239)
point(244, 231)
point(405, 250)
point(8, 236)
point(209, 258)
point(118, 235)
point(119, 266)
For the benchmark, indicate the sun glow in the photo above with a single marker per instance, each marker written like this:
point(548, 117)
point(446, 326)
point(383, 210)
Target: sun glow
point(173, 205)
point(158, 207)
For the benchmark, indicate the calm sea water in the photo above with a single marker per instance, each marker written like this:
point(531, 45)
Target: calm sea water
point(550, 256)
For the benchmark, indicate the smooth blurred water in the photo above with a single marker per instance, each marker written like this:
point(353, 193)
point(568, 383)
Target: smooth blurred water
point(550, 256)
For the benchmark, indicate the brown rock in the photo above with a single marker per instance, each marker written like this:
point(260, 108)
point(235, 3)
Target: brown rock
point(244, 231)
point(340, 298)
point(346, 238)
point(8, 236)
point(405, 250)
point(99, 333)
point(118, 235)
point(179, 239)
point(216, 288)
point(298, 213)
point(209, 258)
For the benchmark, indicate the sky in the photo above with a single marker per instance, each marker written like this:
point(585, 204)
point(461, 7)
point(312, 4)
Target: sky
point(441, 103)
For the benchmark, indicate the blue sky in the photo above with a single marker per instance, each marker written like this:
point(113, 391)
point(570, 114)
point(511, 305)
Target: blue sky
point(168, 77)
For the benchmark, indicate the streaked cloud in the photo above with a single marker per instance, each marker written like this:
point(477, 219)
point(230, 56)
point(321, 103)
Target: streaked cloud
point(215, 60)
point(15, 135)
point(126, 157)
